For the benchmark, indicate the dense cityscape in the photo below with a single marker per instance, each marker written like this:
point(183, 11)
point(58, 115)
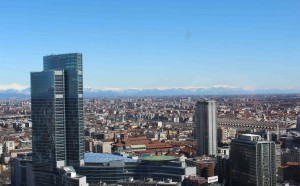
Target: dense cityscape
point(60, 138)
point(150, 93)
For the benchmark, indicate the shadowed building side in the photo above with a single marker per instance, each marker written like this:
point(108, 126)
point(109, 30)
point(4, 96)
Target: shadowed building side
point(206, 128)
point(71, 64)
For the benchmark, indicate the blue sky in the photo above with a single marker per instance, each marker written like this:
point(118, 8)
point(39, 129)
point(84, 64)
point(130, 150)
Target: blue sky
point(146, 44)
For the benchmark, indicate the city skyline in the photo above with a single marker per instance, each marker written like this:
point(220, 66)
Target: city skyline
point(156, 44)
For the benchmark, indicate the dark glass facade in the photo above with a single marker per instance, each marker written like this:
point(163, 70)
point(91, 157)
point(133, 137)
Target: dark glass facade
point(48, 118)
point(252, 163)
point(107, 174)
point(71, 64)
point(57, 116)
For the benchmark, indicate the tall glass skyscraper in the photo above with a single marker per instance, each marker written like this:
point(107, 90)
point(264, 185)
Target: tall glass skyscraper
point(206, 128)
point(57, 115)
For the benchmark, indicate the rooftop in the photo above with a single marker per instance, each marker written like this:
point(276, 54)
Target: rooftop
point(104, 158)
point(251, 135)
point(159, 158)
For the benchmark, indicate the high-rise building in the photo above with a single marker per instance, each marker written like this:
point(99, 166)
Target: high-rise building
point(298, 124)
point(206, 128)
point(57, 115)
point(252, 161)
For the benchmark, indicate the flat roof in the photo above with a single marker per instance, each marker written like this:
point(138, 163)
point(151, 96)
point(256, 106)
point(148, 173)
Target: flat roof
point(138, 146)
point(254, 135)
point(104, 158)
point(159, 158)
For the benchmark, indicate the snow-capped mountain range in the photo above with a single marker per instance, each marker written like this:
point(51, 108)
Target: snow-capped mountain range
point(18, 91)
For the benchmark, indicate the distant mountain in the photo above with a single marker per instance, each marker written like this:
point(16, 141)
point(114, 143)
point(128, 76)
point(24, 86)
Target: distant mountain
point(215, 90)
point(16, 91)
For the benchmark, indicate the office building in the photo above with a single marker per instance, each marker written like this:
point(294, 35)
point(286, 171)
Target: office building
point(22, 171)
point(223, 169)
point(290, 155)
point(206, 128)
point(205, 166)
point(298, 124)
point(71, 66)
point(57, 116)
point(147, 182)
point(290, 173)
point(111, 168)
point(252, 161)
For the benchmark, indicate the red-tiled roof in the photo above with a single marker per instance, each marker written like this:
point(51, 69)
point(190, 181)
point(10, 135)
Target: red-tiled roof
point(188, 150)
point(158, 145)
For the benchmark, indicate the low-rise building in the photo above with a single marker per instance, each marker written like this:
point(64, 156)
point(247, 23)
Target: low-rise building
point(289, 172)
point(8, 146)
point(205, 165)
point(110, 168)
point(290, 155)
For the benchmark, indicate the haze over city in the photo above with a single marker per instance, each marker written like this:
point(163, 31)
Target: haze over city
point(138, 44)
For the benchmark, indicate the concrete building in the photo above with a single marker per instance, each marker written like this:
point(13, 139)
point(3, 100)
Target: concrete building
point(89, 145)
point(223, 151)
point(290, 173)
point(1, 149)
point(225, 135)
point(206, 128)
point(252, 161)
point(25, 144)
point(16, 152)
point(8, 146)
point(68, 176)
point(102, 147)
point(194, 181)
point(205, 165)
point(290, 155)
point(278, 154)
